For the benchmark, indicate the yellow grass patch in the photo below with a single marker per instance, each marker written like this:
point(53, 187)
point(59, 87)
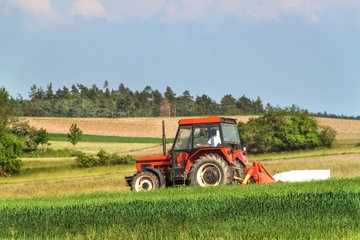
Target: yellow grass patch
point(102, 183)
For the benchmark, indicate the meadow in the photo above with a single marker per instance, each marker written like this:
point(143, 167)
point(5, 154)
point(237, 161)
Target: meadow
point(51, 199)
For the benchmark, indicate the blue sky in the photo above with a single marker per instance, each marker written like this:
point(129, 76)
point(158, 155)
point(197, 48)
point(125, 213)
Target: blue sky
point(284, 51)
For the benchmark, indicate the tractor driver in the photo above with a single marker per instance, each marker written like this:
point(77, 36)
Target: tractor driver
point(213, 141)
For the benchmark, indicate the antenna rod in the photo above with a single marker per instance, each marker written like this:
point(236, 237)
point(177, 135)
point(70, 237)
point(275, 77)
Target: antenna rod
point(163, 137)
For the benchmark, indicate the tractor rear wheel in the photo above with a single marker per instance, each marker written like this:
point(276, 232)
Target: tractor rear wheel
point(144, 181)
point(211, 170)
point(239, 169)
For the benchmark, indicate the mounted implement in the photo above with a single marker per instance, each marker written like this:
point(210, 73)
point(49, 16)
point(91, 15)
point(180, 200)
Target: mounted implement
point(206, 152)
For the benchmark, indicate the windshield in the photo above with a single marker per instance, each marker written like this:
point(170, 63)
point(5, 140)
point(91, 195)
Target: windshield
point(183, 140)
point(230, 133)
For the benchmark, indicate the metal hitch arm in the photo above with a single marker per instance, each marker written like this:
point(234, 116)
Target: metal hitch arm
point(258, 173)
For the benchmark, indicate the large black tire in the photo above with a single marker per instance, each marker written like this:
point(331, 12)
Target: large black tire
point(239, 169)
point(211, 170)
point(144, 181)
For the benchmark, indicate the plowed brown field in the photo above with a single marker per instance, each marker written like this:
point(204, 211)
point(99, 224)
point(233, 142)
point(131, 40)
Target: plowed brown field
point(151, 127)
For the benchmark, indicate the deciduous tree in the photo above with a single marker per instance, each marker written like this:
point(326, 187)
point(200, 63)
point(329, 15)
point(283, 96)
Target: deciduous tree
point(75, 134)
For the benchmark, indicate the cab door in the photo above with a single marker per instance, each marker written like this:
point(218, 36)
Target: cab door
point(180, 153)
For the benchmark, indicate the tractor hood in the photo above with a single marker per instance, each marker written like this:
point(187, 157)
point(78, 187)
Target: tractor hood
point(152, 161)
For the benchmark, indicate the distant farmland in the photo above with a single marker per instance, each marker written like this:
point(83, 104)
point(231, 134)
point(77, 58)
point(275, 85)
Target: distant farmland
point(151, 127)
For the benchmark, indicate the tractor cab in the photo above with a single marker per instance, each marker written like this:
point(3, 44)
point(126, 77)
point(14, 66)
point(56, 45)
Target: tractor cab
point(200, 136)
point(194, 136)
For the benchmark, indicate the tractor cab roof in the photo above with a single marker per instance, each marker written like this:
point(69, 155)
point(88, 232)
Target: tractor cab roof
point(202, 120)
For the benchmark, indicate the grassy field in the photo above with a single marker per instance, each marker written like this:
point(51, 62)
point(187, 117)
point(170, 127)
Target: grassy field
point(310, 210)
point(52, 199)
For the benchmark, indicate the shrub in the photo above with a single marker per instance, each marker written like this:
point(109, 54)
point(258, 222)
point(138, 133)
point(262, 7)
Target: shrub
point(31, 135)
point(11, 148)
point(118, 160)
point(102, 158)
point(84, 161)
point(327, 136)
point(42, 137)
point(106, 158)
point(286, 129)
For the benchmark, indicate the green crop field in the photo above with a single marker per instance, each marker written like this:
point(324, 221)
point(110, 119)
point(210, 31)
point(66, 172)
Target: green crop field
point(108, 139)
point(94, 147)
point(311, 210)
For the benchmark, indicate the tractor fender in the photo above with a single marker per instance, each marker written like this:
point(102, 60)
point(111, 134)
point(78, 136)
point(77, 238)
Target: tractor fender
point(158, 174)
point(239, 154)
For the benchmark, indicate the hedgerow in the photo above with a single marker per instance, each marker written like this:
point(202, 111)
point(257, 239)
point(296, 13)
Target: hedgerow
point(102, 158)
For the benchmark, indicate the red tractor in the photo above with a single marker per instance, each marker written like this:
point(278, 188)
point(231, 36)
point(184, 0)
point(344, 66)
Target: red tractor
point(206, 152)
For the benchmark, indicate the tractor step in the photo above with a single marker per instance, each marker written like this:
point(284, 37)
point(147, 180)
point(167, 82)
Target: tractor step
point(178, 177)
point(178, 183)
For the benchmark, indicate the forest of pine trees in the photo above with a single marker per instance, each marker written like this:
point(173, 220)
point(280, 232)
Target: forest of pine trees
point(81, 101)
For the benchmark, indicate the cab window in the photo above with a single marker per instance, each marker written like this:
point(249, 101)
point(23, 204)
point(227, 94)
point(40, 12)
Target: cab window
point(207, 136)
point(183, 139)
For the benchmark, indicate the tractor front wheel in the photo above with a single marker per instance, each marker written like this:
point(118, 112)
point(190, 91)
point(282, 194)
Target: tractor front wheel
point(144, 181)
point(210, 170)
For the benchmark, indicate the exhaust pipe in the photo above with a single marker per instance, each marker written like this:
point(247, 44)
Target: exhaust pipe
point(163, 137)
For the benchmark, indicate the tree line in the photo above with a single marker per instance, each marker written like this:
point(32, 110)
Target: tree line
point(82, 101)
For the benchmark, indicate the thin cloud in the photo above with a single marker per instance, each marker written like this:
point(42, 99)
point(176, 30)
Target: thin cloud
point(307, 9)
point(270, 10)
point(189, 9)
point(40, 10)
point(122, 10)
point(88, 8)
point(44, 12)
